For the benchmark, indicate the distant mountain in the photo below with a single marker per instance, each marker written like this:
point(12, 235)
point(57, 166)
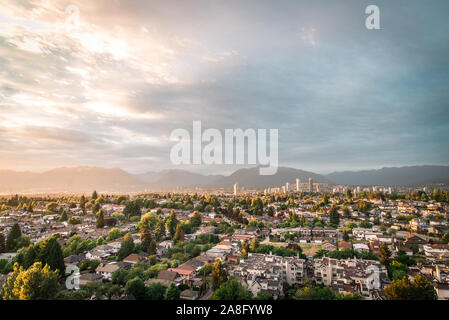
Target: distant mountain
point(78, 179)
point(174, 178)
point(251, 179)
point(403, 176)
point(151, 176)
point(86, 179)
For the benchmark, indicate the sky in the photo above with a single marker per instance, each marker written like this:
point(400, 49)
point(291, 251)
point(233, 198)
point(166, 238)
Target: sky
point(107, 89)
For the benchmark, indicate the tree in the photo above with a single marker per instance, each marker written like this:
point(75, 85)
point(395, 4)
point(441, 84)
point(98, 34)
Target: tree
point(445, 238)
point(2, 243)
point(36, 283)
point(51, 255)
point(195, 221)
point(420, 289)
point(96, 208)
point(232, 290)
point(384, 254)
point(264, 295)
point(423, 289)
point(346, 212)
point(365, 224)
point(155, 291)
point(127, 247)
point(179, 234)
point(114, 234)
point(94, 195)
point(172, 292)
point(160, 231)
point(100, 219)
point(145, 233)
point(364, 206)
point(219, 274)
point(64, 216)
point(22, 242)
point(244, 249)
point(345, 236)
point(136, 287)
point(351, 225)
point(132, 209)
point(100, 241)
point(171, 224)
point(51, 207)
point(13, 235)
point(88, 264)
point(334, 216)
point(206, 269)
point(254, 244)
point(315, 293)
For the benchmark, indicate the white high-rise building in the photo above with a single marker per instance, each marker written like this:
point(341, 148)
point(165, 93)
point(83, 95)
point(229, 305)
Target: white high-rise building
point(287, 186)
point(310, 185)
point(297, 184)
point(236, 188)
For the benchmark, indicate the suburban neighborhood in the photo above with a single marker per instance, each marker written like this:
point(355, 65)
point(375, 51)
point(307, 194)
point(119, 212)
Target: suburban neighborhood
point(272, 244)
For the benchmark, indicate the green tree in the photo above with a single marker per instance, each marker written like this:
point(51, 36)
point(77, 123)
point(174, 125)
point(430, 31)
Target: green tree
point(232, 290)
point(51, 254)
point(334, 216)
point(254, 244)
point(51, 207)
point(127, 247)
point(263, 295)
point(36, 283)
point(346, 212)
point(206, 269)
point(13, 235)
point(219, 275)
point(114, 234)
point(172, 292)
point(179, 234)
point(132, 209)
point(420, 289)
point(2, 243)
point(64, 216)
point(160, 231)
point(155, 291)
point(423, 289)
point(195, 221)
point(136, 287)
point(384, 254)
point(171, 224)
point(22, 242)
point(100, 219)
point(315, 293)
point(365, 224)
point(245, 248)
point(96, 208)
point(445, 238)
point(94, 195)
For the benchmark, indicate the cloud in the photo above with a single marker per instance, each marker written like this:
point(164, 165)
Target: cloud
point(110, 92)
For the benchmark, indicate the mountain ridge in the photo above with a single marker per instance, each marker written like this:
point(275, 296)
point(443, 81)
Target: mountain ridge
point(85, 179)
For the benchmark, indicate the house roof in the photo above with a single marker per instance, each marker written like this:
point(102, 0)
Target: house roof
point(189, 294)
point(167, 275)
point(134, 258)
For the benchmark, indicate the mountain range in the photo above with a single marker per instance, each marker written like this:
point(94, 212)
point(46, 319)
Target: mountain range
point(86, 179)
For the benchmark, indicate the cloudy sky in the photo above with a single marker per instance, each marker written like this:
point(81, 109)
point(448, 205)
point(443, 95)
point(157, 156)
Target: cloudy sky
point(108, 91)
